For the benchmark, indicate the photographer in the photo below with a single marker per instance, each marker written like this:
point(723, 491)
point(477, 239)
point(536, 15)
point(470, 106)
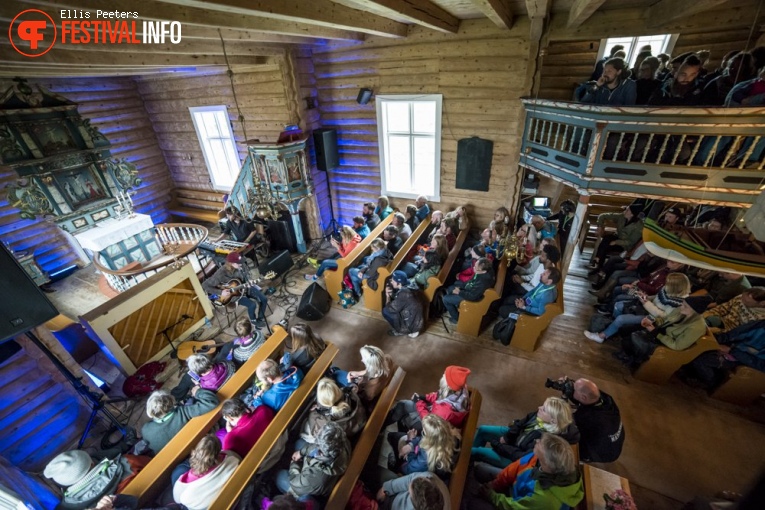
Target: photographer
point(597, 417)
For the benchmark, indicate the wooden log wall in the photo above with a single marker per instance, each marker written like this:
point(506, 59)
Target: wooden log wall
point(480, 71)
point(117, 110)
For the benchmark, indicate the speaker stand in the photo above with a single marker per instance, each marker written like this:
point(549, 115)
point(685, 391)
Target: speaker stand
point(332, 228)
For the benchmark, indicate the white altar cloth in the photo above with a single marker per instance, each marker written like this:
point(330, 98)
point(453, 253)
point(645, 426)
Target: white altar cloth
point(109, 232)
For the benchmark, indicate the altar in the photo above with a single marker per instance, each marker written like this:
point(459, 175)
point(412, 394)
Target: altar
point(121, 241)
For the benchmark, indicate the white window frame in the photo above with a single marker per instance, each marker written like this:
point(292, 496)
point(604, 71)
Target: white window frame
point(671, 39)
point(207, 152)
point(380, 100)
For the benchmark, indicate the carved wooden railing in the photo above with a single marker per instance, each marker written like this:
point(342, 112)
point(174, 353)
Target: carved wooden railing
point(710, 154)
point(178, 242)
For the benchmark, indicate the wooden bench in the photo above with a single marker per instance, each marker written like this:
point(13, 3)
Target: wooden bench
point(664, 362)
point(249, 465)
point(460, 471)
point(436, 282)
point(197, 205)
point(151, 481)
point(530, 328)
point(333, 280)
point(744, 386)
point(598, 482)
point(473, 312)
point(373, 299)
point(366, 441)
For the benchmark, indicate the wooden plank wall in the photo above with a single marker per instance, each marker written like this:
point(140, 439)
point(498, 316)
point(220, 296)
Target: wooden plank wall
point(480, 71)
point(116, 108)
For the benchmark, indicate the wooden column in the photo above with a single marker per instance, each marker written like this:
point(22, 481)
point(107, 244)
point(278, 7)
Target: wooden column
point(576, 228)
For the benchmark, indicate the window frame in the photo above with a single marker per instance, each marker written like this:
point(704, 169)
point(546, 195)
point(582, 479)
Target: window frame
point(671, 41)
point(382, 134)
point(203, 145)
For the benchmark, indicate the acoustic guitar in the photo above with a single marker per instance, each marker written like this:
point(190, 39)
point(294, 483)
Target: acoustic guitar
point(189, 347)
point(235, 287)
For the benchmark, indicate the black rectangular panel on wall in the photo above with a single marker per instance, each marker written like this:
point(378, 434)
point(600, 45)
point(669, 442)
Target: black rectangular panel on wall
point(474, 163)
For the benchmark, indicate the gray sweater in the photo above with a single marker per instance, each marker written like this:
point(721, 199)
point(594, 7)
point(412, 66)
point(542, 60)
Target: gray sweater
point(159, 432)
point(398, 489)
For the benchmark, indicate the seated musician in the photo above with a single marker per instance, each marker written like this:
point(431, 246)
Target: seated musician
point(240, 230)
point(216, 285)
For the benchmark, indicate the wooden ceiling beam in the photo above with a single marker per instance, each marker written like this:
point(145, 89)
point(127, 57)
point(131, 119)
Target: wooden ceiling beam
point(667, 11)
point(581, 10)
point(324, 13)
point(538, 8)
point(422, 12)
point(498, 11)
point(202, 17)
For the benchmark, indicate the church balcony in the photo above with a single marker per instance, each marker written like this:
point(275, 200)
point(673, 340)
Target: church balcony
point(710, 155)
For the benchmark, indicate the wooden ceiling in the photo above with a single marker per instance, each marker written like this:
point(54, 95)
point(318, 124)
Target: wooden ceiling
point(256, 31)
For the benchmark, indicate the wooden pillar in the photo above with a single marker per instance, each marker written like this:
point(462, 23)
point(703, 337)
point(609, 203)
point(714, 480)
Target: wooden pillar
point(580, 218)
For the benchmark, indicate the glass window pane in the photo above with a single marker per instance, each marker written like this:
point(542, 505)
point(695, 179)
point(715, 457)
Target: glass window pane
point(397, 116)
point(398, 163)
point(424, 165)
point(424, 117)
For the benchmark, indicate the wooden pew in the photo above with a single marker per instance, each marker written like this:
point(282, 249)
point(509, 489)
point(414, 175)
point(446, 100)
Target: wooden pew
point(744, 386)
point(373, 299)
point(664, 362)
point(333, 280)
point(152, 479)
point(366, 441)
point(249, 465)
point(473, 312)
point(597, 482)
point(460, 471)
point(530, 328)
point(197, 205)
point(436, 282)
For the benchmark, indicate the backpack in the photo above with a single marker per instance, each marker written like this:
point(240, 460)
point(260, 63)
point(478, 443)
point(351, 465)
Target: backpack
point(437, 308)
point(100, 481)
point(347, 298)
point(503, 330)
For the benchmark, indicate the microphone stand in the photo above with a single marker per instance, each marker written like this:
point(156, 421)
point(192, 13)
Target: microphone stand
point(184, 317)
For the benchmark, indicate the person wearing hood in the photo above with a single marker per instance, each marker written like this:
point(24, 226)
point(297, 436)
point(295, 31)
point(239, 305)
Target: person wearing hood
point(547, 478)
point(273, 386)
point(315, 468)
point(483, 279)
point(341, 406)
point(403, 310)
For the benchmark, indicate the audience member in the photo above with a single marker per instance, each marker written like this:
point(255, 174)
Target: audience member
point(448, 228)
point(722, 287)
point(209, 470)
point(629, 230)
point(287, 502)
point(646, 82)
point(383, 209)
point(641, 57)
point(349, 239)
point(368, 270)
point(371, 381)
point(302, 348)
point(167, 418)
point(535, 300)
point(244, 426)
point(390, 236)
point(459, 215)
point(434, 449)
point(664, 70)
point(399, 221)
point(743, 309)
point(501, 225)
point(748, 93)
point(598, 71)
point(423, 209)
point(248, 341)
point(411, 217)
point(473, 290)
point(253, 299)
point(429, 267)
point(360, 227)
point(549, 257)
point(477, 252)
point(544, 229)
point(683, 89)
point(403, 310)
point(417, 491)
point(613, 88)
point(740, 68)
point(340, 406)
point(273, 386)
point(451, 402)
point(371, 218)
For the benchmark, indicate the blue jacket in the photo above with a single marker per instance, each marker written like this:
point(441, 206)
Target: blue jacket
point(416, 460)
point(747, 344)
point(538, 297)
point(363, 231)
point(623, 95)
point(423, 212)
point(742, 91)
point(276, 396)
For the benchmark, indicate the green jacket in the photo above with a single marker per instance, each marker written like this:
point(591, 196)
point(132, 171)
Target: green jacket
point(683, 334)
point(159, 432)
point(628, 235)
point(315, 474)
point(422, 277)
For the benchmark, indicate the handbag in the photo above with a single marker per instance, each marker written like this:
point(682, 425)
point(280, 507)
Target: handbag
point(503, 330)
point(347, 298)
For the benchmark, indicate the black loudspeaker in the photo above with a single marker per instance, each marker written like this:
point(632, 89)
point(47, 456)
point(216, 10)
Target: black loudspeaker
point(364, 96)
point(314, 304)
point(279, 264)
point(282, 233)
point(325, 143)
point(22, 305)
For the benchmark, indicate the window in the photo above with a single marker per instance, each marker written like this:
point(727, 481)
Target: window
point(663, 43)
point(218, 146)
point(409, 131)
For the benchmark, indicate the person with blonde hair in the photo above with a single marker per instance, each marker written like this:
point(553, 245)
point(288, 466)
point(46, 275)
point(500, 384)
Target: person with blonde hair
point(508, 444)
point(302, 348)
point(349, 239)
point(210, 467)
point(459, 214)
point(273, 386)
point(341, 406)
point(434, 449)
point(370, 382)
point(367, 270)
point(383, 209)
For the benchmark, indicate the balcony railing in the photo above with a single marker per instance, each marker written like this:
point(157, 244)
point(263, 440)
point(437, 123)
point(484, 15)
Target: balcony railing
point(714, 155)
point(178, 242)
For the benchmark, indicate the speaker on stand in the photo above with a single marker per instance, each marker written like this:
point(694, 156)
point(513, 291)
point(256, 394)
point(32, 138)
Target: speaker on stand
point(327, 157)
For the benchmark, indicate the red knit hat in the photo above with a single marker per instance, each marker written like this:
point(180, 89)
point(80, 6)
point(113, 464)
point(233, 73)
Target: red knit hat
point(234, 257)
point(456, 377)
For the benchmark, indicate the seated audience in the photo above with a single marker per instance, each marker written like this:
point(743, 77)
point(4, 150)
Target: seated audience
point(508, 444)
point(315, 468)
point(244, 426)
point(472, 290)
point(548, 258)
point(459, 215)
point(748, 93)
point(341, 406)
point(403, 310)
point(252, 299)
point(417, 491)
point(598, 71)
point(411, 217)
point(451, 402)
point(477, 252)
point(646, 82)
point(435, 224)
point(678, 331)
point(613, 88)
point(273, 386)
point(360, 227)
point(621, 286)
point(642, 55)
point(430, 266)
point(629, 230)
point(535, 300)
point(685, 88)
point(739, 68)
point(208, 375)
point(565, 218)
point(302, 348)
point(390, 236)
point(671, 219)
point(167, 418)
point(210, 467)
point(349, 239)
point(371, 381)
point(399, 221)
point(248, 341)
point(546, 478)
point(434, 449)
point(743, 309)
point(423, 209)
point(370, 216)
point(665, 67)
point(544, 229)
point(722, 287)
point(500, 226)
point(379, 257)
point(287, 502)
point(449, 228)
point(383, 209)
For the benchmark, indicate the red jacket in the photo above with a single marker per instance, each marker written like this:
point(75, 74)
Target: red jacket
point(445, 411)
point(653, 283)
point(345, 249)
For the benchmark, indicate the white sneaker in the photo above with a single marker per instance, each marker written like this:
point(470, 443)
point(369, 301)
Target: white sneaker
point(594, 337)
point(414, 335)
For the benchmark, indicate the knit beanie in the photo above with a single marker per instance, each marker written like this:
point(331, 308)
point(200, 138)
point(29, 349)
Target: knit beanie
point(698, 303)
point(68, 468)
point(234, 258)
point(456, 377)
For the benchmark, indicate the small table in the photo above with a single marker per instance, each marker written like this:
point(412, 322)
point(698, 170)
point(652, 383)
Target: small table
point(122, 241)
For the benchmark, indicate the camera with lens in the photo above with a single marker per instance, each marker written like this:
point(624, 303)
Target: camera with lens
point(566, 387)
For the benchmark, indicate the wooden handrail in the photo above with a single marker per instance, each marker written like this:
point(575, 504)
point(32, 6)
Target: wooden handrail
point(460, 471)
point(235, 485)
point(149, 483)
point(436, 282)
point(334, 279)
point(342, 490)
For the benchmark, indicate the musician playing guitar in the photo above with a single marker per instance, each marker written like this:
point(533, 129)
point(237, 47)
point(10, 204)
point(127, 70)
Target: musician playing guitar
point(252, 297)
